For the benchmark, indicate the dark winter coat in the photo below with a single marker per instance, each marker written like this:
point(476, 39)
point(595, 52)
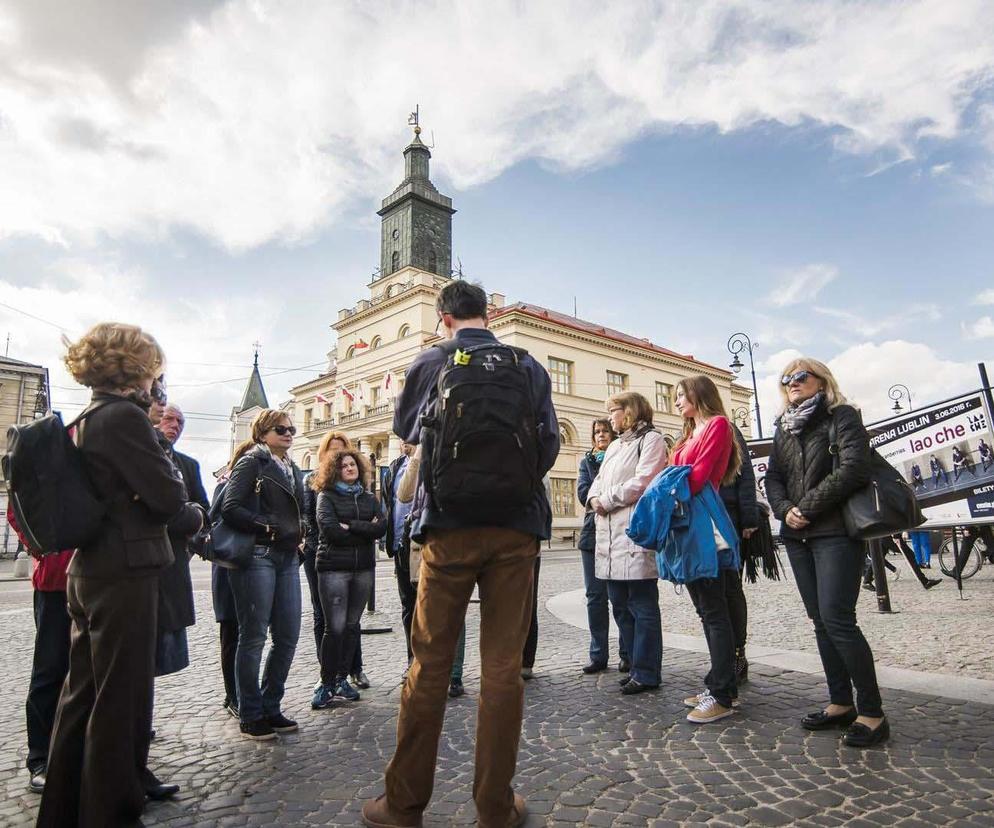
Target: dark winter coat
point(589, 466)
point(140, 487)
point(175, 585)
point(279, 503)
point(351, 549)
point(310, 506)
point(800, 471)
point(389, 498)
point(739, 497)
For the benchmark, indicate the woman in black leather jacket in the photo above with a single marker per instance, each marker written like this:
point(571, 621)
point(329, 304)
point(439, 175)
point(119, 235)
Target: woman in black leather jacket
point(807, 492)
point(349, 522)
point(264, 496)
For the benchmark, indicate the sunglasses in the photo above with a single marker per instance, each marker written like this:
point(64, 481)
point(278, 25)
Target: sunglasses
point(799, 377)
point(284, 430)
point(158, 392)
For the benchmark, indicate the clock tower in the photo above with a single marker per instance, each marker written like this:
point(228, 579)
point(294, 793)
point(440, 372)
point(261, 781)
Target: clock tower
point(417, 219)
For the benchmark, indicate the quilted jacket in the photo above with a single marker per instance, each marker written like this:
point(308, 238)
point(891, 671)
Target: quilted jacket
point(800, 471)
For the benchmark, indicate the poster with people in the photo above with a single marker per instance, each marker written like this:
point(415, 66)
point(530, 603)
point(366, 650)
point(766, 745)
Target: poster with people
point(944, 450)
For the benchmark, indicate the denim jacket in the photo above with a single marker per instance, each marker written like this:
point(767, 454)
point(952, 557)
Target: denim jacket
point(682, 528)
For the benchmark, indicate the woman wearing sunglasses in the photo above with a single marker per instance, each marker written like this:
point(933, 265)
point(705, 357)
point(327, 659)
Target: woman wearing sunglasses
point(264, 496)
point(807, 493)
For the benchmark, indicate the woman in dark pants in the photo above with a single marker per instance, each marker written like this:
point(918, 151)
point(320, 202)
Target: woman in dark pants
point(596, 590)
point(102, 723)
point(807, 493)
point(739, 498)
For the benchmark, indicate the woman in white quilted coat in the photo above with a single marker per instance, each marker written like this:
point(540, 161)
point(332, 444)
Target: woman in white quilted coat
point(630, 464)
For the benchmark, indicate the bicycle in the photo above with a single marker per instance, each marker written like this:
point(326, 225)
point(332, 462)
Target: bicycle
point(947, 558)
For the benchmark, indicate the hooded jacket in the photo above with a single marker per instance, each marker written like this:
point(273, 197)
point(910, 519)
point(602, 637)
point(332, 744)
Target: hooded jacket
point(630, 464)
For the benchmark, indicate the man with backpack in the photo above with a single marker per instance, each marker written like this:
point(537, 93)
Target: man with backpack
point(483, 414)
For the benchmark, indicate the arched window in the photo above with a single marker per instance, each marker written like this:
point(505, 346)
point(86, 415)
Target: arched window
point(395, 261)
point(404, 331)
point(432, 260)
point(306, 464)
point(350, 352)
point(567, 434)
point(377, 341)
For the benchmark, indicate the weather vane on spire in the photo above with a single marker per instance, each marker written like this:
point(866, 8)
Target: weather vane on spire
point(414, 119)
point(256, 345)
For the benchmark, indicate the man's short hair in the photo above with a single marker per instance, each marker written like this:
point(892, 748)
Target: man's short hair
point(463, 300)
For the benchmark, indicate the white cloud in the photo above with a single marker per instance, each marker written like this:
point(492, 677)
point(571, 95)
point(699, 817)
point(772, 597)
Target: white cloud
point(867, 370)
point(802, 285)
point(261, 120)
point(982, 328)
point(985, 297)
point(901, 319)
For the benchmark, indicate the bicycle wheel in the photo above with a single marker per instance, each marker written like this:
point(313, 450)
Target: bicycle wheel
point(947, 560)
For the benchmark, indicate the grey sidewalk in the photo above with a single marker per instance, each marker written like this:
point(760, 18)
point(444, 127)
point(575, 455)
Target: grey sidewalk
point(588, 755)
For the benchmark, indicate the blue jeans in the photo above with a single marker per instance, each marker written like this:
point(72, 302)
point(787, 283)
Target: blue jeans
point(267, 597)
point(597, 619)
point(922, 546)
point(828, 572)
point(636, 607)
point(344, 596)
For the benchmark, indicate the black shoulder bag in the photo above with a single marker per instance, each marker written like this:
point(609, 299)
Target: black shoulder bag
point(884, 506)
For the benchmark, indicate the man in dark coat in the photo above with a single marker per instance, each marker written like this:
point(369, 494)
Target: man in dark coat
point(397, 513)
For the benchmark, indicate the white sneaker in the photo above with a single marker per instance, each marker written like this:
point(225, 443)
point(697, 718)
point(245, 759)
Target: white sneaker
point(693, 701)
point(708, 710)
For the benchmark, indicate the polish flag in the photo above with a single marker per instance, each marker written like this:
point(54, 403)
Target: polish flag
point(389, 385)
point(348, 394)
point(321, 398)
point(360, 345)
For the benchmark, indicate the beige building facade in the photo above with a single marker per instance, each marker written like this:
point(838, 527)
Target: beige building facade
point(379, 337)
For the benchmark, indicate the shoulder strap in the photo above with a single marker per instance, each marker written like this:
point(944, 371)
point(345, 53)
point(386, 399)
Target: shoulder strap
point(86, 412)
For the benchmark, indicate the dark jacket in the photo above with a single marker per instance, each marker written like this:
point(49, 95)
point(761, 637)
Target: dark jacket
point(175, 585)
point(139, 486)
point(310, 504)
point(278, 506)
point(589, 466)
point(419, 392)
point(388, 496)
point(740, 497)
point(800, 471)
point(351, 549)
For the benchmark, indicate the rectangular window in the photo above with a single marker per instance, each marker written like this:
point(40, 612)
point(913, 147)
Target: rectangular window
point(664, 397)
point(616, 382)
point(561, 373)
point(308, 416)
point(374, 396)
point(563, 496)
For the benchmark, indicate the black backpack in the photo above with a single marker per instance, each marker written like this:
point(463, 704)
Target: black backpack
point(50, 492)
point(483, 460)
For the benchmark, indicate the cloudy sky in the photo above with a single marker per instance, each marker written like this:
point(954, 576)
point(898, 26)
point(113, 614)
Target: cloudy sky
point(819, 174)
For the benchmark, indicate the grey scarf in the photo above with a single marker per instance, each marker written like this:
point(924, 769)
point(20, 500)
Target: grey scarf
point(796, 417)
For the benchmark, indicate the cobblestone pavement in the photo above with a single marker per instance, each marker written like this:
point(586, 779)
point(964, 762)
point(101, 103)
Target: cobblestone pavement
point(588, 755)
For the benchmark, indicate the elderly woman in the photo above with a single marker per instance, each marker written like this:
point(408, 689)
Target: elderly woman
point(602, 435)
point(264, 496)
point(630, 464)
point(102, 725)
point(807, 487)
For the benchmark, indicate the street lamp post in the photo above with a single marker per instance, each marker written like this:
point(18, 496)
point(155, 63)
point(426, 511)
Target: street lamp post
point(737, 343)
point(740, 416)
point(897, 392)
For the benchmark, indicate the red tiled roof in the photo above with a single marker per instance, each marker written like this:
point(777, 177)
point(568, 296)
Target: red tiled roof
point(538, 312)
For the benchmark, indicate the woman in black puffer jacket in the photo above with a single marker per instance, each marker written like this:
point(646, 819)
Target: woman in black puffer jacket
point(807, 493)
point(349, 522)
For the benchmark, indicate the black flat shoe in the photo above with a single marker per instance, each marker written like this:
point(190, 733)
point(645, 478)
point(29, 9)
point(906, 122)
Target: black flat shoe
point(633, 686)
point(822, 721)
point(860, 736)
point(156, 790)
point(592, 667)
point(36, 784)
point(624, 680)
point(931, 582)
point(624, 666)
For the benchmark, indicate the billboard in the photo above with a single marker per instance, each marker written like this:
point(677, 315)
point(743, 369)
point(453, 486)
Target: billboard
point(944, 450)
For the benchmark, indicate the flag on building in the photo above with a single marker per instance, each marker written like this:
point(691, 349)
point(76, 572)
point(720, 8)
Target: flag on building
point(348, 394)
point(321, 398)
point(389, 384)
point(360, 345)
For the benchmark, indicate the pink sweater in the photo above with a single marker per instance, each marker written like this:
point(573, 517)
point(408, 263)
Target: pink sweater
point(707, 453)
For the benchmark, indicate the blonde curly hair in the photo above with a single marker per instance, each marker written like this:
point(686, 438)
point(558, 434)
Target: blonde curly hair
point(114, 355)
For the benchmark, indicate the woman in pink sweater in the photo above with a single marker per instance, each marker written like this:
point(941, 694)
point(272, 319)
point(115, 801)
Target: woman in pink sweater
point(708, 446)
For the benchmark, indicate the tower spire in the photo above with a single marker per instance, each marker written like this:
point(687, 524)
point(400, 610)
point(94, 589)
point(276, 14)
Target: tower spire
point(255, 394)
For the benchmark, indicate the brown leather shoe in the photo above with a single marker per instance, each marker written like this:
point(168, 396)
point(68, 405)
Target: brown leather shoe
point(519, 812)
point(376, 813)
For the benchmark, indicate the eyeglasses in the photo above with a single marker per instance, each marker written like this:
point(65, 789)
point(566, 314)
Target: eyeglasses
point(158, 392)
point(799, 378)
point(284, 430)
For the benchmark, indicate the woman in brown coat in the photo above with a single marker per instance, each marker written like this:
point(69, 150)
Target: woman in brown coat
point(102, 723)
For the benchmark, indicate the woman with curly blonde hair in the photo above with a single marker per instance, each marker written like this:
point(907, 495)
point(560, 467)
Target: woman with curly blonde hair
point(104, 715)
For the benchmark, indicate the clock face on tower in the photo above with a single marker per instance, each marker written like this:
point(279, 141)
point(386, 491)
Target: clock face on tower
point(396, 234)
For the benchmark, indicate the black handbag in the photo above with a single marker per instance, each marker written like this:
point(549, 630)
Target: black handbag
point(227, 546)
point(885, 506)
